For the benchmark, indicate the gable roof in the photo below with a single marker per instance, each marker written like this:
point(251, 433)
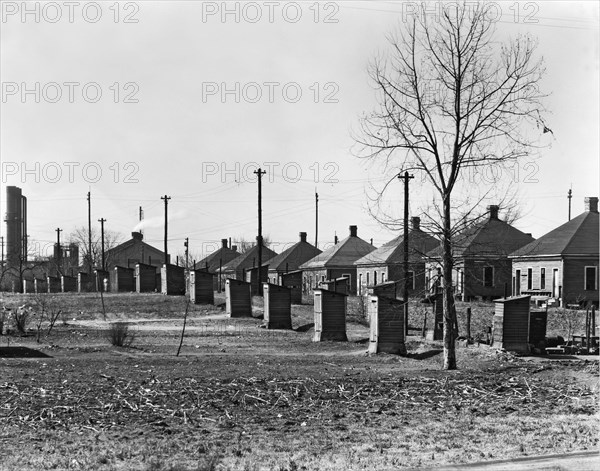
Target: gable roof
point(218, 259)
point(579, 236)
point(290, 259)
point(419, 243)
point(343, 254)
point(133, 242)
point(248, 259)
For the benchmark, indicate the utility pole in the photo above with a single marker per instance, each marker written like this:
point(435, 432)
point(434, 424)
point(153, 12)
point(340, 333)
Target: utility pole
point(90, 256)
point(316, 219)
point(2, 259)
point(58, 250)
point(186, 245)
point(166, 200)
point(259, 239)
point(569, 196)
point(102, 221)
point(406, 177)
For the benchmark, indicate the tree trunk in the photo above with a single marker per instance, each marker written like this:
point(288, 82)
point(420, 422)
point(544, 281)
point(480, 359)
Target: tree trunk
point(449, 309)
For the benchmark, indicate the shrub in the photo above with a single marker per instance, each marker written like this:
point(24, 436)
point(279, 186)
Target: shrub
point(21, 317)
point(119, 334)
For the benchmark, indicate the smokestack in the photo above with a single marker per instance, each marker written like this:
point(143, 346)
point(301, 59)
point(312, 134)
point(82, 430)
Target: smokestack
point(303, 237)
point(353, 231)
point(224, 243)
point(234, 248)
point(136, 235)
point(335, 239)
point(493, 209)
point(416, 223)
point(591, 204)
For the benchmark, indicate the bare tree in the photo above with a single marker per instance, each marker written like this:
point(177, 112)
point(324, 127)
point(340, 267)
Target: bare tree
point(452, 99)
point(79, 236)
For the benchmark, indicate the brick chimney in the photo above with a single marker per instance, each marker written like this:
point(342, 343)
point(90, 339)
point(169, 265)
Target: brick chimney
point(224, 243)
point(591, 204)
point(303, 237)
point(493, 209)
point(353, 231)
point(416, 223)
point(234, 248)
point(335, 239)
point(137, 235)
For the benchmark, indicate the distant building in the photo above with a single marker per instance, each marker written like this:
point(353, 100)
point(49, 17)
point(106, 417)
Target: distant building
point(562, 264)
point(336, 262)
point(482, 268)
point(219, 258)
point(237, 267)
point(133, 251)
point(66, 259)
point(290, 259)
point(387, 262)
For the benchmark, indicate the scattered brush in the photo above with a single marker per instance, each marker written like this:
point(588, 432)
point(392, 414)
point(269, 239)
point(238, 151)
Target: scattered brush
point(120, 335)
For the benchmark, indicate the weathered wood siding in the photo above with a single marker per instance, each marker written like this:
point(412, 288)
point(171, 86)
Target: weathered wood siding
point(172, 280)
point(278, 306)
point(85, 282)
point(68, 284)
point(330, 315)
point(238, 298)
point(145, 278)
point(53, 284)
point(100, 276)
point(293, 281)
point(40, 285)
point(122, 280)
point(511, 324)
point(538, 321)
point(386, 325)
point(201, 287)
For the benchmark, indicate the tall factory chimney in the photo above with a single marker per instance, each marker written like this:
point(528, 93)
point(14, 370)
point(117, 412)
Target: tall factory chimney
point(16, 226)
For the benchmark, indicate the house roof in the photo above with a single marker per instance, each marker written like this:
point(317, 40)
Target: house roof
point(218, 259)
point(579, 236)
point(343, 254)
point(290, 259)
point(419, 243)
point(490, 238)
point(248, 259)
point(133, 242)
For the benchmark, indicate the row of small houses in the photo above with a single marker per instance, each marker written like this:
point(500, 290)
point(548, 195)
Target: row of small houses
point(492, 259)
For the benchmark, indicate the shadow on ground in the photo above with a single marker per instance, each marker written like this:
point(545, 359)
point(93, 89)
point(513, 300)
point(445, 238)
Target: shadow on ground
point(21, 352)
point(425, 355)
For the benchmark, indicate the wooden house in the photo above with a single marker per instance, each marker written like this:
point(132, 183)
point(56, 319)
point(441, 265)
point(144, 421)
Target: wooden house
point(290, 259)
point(482, 269)
point(387, 262)
point(336, 262)
point(562, 265)
point(132, 252)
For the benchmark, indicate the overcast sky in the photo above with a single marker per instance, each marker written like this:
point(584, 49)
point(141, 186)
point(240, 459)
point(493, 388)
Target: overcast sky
point(145, 99)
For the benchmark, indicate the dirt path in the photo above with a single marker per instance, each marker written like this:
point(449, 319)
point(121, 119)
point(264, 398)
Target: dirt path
point(582, 461)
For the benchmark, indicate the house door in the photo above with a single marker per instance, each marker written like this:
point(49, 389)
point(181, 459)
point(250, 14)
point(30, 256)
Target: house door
point(555, 293)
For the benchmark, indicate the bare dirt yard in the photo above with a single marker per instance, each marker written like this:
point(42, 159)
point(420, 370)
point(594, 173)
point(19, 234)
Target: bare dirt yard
point(240, 397)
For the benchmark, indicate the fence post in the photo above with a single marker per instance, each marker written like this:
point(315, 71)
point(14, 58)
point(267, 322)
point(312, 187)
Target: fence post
point(468, 323)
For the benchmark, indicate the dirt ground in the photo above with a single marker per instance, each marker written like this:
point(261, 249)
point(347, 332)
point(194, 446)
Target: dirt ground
point(242, 397)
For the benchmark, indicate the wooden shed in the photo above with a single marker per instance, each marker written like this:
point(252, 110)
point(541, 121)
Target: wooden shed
point(251, 276)
point(386, 317)
point(238, 298)
point(100, 276)
point(68, 283)
point(389, 289)
point(28, 286)
point(278, 306)
point(53, 284)
point(172, 280)
point(40, 285)
point(293, 281)
point(330, 315)
point(84, 282)
point(201, 287)
point(437, 303)
point(511, 323)
point(145, 278)
point(339, 285)
point(122, 280)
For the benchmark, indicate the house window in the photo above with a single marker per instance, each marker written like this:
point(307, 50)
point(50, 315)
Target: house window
point(542, 278)
point(517, 290)
point(322, 278)
point(529, 278)
point(411, 280)
point(591, 278)
point(367, 279)
point(488, 276)
point(360, 290)
point(375, 277)
point(383, 277)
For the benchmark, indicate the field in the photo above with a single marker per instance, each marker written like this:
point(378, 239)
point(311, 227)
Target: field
point(241, 397)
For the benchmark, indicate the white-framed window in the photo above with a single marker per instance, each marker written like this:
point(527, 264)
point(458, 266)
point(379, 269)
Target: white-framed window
point(488, 276)
point(591, 278)
point(367, 278)
point(375, 277)
point(530, 278)
point(383, 277)
point(542, 278)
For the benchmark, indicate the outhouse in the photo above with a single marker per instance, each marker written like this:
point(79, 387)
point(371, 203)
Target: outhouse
point(172, 280)
point(145, 278)
point(386, 317)
point(238, 298)
point(330, 315)
point(278, 306)
point(201, 287)
point(511, 323)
